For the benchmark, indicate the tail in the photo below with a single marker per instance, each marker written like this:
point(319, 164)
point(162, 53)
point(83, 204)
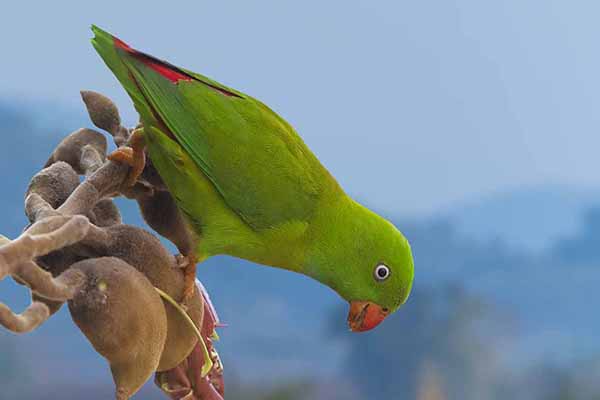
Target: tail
point(123, 60)
point(114, 53)
point(104, 43)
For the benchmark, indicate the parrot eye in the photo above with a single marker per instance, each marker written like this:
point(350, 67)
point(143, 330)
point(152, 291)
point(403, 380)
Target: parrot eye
point(381, 273)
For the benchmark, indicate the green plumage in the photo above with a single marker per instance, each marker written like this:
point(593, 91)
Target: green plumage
point(250, 187)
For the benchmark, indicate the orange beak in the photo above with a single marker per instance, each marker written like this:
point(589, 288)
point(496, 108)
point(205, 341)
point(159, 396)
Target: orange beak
point(364, 315)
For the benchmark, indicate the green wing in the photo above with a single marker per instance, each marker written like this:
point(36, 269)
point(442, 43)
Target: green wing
point(254, 158)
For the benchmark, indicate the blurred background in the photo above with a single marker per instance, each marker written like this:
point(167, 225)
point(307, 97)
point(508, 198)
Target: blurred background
point(472, 125)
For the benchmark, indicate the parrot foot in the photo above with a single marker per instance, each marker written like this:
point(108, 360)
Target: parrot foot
point(132, 155)
point(188, 264)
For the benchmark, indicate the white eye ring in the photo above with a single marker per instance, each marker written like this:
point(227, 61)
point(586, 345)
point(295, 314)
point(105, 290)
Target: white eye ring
point(381, 273)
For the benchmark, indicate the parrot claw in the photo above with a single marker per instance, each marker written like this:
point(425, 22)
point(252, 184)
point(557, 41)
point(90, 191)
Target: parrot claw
point(189, 282)
point(188, 264)
point(132, 155)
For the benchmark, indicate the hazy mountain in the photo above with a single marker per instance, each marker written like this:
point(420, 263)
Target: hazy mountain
point(527, 217)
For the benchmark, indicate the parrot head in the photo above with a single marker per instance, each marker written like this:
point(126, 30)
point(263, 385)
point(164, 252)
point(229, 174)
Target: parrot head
point(369, 263)
point(383, 279)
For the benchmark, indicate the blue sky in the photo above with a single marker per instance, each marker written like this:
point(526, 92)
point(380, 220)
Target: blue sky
point(412, 105)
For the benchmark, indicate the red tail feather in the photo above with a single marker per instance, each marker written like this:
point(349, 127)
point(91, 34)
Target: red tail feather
point(165, 69)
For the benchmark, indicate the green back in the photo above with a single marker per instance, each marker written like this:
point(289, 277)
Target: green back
point(257, 162)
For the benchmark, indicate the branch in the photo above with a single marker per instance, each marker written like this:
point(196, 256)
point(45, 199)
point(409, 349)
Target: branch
point(76, 249)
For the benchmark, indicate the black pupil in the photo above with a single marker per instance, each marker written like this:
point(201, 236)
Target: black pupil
point(382, 272)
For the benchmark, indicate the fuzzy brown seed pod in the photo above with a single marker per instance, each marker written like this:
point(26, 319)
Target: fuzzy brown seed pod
point(56, 262)
point(162, 214)
point(53, 184)
point(72, 148)
point(103, 112)
point(123, 317)
point(49, 189)
point(106, 213)
point(143, 251)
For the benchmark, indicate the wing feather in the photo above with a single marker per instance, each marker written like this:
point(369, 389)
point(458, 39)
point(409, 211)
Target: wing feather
point(255, 159)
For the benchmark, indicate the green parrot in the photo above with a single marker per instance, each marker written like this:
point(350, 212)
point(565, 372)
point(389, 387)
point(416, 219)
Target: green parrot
point(249, 187)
